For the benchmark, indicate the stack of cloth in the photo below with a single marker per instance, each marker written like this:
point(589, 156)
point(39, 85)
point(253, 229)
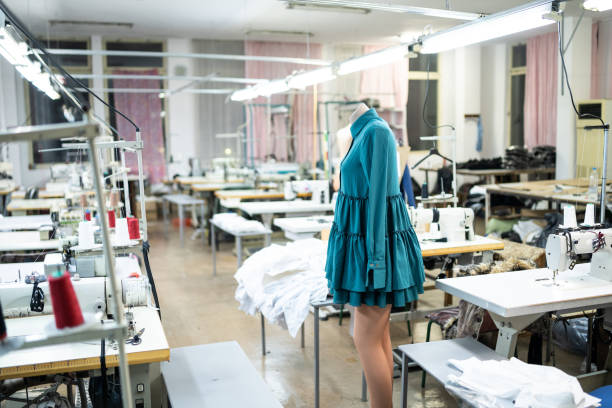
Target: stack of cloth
point(281, 281)
point(513, 383)
point(543, 156)
point(481, 164)
point(516, 157)
point(234, 223)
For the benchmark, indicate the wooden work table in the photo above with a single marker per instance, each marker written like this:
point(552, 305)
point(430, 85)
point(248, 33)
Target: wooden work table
point(22, 206)
point(571, 191)
point(252, 194)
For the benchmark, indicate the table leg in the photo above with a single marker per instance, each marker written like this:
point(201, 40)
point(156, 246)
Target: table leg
point(589, 356)
point(181, 222)
point(404, 398)
point(214, 249)
point(204, 220)
point(267, 221)
point(263, 335)
point(303, 342)
point(239, 250)
point(487, 207)
point(364, 387)
point(448, 298)
point(509, 329)
point(316, 355)
point(165, 213)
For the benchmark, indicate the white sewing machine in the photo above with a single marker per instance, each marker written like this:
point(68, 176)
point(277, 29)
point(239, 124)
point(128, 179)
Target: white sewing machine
point(318, 188)
point(93, 291)
point(563, 247)
point(450, 224)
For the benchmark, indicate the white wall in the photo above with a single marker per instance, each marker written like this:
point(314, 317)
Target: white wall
point(181, 107)
point(493, 97)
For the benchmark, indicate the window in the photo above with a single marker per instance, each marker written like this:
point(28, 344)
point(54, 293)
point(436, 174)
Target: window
point(417, 89)
point(41, 110)
point(518, 64)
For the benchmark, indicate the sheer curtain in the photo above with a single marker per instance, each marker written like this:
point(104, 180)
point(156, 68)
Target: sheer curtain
point(145, 110)
point(388, 84)
point(540, 108)
point(273, 137)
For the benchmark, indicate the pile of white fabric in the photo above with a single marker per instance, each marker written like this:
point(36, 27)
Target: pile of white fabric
point(513, 383)
point(281, 281)
point(234, 223)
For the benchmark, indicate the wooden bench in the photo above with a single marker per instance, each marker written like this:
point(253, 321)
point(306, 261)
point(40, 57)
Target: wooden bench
point(433, 358)
point(214, 375)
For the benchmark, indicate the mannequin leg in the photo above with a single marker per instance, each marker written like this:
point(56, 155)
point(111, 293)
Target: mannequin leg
point(371, 336)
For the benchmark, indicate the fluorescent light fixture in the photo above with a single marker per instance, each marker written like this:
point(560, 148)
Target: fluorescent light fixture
point(308, 78)
point(244, 94)
point(315, 6)
point(272, 87)
point(597, 5)
point(16, 53)
point(365, 7)
point(375, 59)
point(515, 20)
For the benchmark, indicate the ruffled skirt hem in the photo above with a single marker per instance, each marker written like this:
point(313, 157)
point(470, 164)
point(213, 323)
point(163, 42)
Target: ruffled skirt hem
point(396, 298)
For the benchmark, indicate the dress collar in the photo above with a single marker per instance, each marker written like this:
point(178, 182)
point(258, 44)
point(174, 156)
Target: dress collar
point(363, 120)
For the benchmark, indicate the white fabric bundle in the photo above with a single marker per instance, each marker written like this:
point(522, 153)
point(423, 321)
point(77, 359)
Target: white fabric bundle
point(281, 281)
point(513, 383)
point(234, 223)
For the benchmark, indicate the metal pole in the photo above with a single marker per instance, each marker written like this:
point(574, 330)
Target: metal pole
point(604, 180)
point(316, 355)
point(455, 199)
point(143, 212)
point(126, 186)
point(119, 315)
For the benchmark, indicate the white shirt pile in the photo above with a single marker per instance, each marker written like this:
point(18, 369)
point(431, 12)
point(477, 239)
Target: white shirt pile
point(281, 281)
point(233, 223)
point(513, 383)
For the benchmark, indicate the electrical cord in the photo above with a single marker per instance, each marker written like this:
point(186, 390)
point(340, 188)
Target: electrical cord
point(569, 88)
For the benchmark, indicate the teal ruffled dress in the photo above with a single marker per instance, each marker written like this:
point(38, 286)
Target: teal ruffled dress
point(373, 255)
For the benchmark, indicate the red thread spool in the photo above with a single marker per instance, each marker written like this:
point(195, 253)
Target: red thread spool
point(87, 215)
point(133, 228)
point(111, 219)
point(66, 306)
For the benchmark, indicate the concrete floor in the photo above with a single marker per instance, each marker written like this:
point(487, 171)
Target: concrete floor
point(198, 308)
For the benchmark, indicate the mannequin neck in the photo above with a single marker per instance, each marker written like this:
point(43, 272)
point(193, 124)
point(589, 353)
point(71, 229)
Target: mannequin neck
point(361, 109)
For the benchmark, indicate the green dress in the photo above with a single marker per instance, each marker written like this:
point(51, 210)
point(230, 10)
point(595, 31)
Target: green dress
point(373, 255)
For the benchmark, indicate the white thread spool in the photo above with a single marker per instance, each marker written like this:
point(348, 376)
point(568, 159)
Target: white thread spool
point(86, 234)
point(122, 235)
point(589, 215)
point(134, 291)
point(569, 217)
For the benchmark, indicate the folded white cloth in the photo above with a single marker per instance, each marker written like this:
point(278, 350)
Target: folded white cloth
point(513, 383)
point(234, 223)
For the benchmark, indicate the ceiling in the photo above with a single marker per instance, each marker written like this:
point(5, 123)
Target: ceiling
point(232, 19)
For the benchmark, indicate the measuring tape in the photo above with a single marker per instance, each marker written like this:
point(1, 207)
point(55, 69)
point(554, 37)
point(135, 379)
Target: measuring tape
point(80, 364)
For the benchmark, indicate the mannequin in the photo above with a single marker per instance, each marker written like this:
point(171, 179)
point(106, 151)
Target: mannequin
point(372, 338)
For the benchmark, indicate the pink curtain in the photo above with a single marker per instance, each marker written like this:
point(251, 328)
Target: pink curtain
point(388, 84)
point(601, 60)
point(273, 138)
point(540, 109)
point(145, 110)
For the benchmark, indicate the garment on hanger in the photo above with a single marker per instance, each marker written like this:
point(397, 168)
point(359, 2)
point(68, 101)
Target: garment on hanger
point(373, 255)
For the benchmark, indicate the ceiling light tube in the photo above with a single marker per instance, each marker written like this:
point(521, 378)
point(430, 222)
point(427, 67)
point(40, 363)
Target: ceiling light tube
point(375, 59)
point(16, 53)
point(272, 87)
point(244, 94)
point(597, 5)
point(303, 80)
point(518, 19)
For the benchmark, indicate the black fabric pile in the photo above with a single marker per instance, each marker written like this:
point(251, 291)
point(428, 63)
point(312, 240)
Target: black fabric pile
point(543, 156)
point(517, 157)
point(481, 164)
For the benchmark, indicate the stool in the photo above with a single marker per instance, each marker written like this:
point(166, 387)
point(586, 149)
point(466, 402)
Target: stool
point(604, 394)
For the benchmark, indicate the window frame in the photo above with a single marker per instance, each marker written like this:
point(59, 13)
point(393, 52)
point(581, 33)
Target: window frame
point(71, 69)
point(108, 70)
point(512, 72)
point(422, 76)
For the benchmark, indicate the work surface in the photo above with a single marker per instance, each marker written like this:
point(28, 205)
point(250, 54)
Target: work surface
point(528, 292)
point(24, 222)
point(35, 204)
point(557, 190)
point(253, 194)
point(478, 244)
point(80, 356)
point(279, 207)
point(26, 241)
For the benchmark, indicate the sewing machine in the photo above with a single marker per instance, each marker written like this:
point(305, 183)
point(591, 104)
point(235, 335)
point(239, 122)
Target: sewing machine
point(563, 248)
point(319, 190)
point(445, 224)
point(19, 283)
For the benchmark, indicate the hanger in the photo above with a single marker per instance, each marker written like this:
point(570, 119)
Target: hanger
point(432, 152)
